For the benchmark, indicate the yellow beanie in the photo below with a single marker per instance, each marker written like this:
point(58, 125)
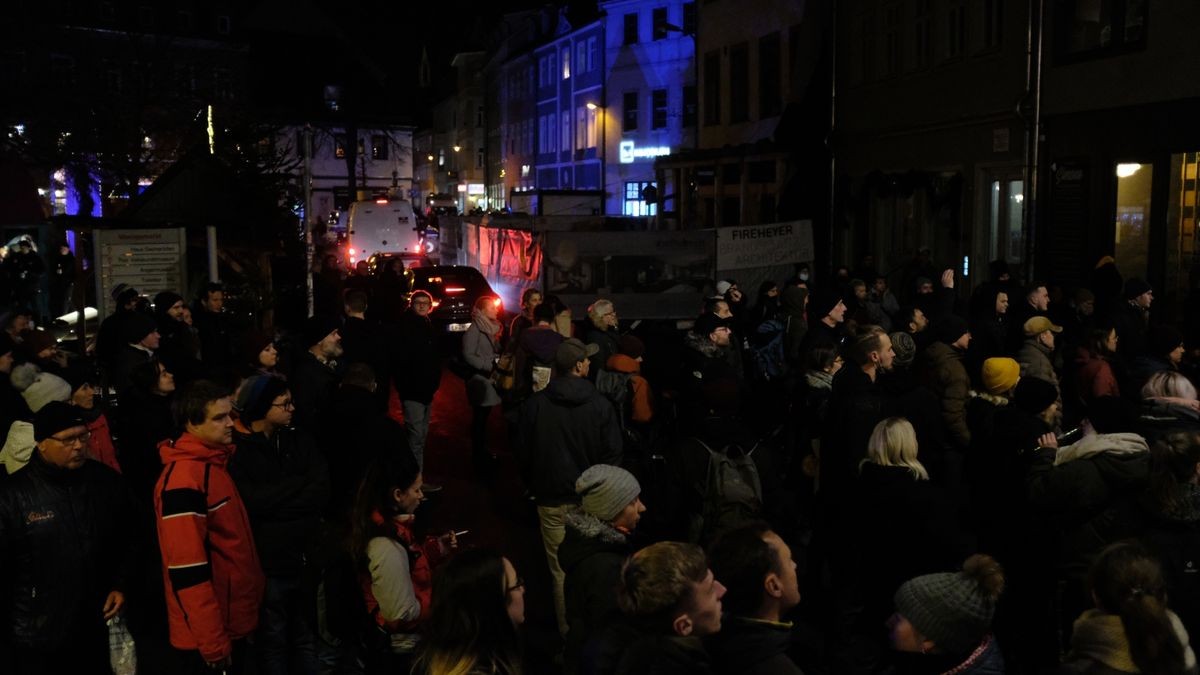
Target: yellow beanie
point(1000, 375)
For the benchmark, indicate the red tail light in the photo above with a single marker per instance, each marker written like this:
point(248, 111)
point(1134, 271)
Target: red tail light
point(381, 201)
point(455, 289)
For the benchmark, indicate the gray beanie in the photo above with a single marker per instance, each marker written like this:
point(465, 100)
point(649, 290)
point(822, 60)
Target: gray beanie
point(606, 490)
point(953, 609)
point(905, 348)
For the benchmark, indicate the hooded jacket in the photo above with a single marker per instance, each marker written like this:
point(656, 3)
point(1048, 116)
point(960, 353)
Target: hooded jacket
point(591, 555)
point(214, 583)
point(564, 429)
point(417, 371)
point(65, 543)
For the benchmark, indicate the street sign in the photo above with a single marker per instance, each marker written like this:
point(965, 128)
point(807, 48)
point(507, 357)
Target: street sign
point(149, 260)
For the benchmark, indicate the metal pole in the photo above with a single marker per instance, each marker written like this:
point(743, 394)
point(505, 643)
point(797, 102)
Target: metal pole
point(1033, 87)
point(307, 223)
point(212, 254)
point(832, 125)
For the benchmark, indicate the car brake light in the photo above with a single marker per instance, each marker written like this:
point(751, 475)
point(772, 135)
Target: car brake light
point(381, 201)
point(455, 289)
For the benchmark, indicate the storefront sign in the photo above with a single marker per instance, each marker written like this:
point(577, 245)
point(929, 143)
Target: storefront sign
point(149, 260)
point(742, 247)
point(630, 152)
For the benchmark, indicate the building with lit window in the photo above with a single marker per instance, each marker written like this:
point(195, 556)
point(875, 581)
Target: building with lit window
point(750, 66)
point(650, 97)
point(952, 139)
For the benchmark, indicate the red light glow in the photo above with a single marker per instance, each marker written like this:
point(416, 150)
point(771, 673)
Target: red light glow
point(455, 289)
point(381, 201)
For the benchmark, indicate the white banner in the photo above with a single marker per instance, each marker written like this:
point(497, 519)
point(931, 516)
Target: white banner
point(743, 247)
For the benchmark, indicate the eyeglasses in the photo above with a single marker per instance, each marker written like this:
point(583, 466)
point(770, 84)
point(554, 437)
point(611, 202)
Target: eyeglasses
point(520, 584)
point(286, 405)
point(78, 439)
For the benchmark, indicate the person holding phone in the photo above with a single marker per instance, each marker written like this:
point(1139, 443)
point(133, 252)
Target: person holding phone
point(395, 568)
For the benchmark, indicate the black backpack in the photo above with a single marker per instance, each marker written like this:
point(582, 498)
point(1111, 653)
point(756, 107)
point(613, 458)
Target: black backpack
point(731, 492)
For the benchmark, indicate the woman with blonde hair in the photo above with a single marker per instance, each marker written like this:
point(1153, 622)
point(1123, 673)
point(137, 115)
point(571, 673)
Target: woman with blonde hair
point(899, 516)
point(894, 444)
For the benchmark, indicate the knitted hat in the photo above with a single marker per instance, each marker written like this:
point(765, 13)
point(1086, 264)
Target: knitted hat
point(54, 417)
point(723, 286)
point(317, 328)
point(606, 490)
point(821, 303)
point(1135, 287)
point(631, 346)
point(950, 328)
point(1034, 395)
point(905, 347)
point(708, 322)
point(1000, 374)
point(572, 351)
point(1164, 339)
point(1083, 295)
point(253, 342)
point(953, 609)
point(136, 326)
point(1036, 325)
point(34, 341)
point(256, 395)
point(39, 388)
point(165, 300)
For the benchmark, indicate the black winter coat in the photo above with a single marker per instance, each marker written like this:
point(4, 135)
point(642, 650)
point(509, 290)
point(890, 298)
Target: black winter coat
point(141, 422)
point(217, 337)
point(855, 407)
point(312, 384)
point(745, 647)
point(591, 554)
point(564, 429)
point(284, 483)
point(65, 543)
point(628, 649)
point(417, 369)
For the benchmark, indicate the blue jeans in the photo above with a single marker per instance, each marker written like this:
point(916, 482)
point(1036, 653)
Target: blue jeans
point(284, 641)
point(416, 422)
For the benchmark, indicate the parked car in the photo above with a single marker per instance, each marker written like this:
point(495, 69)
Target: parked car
point(454, 288)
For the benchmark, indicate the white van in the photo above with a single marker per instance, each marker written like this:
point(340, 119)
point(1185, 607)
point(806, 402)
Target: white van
point(382, 226)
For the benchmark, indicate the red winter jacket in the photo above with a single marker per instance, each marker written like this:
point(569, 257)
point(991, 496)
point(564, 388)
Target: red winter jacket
point(213, 580)
point(101, 446)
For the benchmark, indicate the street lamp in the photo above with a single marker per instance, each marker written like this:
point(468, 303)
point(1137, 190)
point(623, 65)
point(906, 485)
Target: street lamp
point(603, 156)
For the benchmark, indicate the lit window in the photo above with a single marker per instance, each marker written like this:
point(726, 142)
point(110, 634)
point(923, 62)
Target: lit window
point(566, 63)
point(379, 146)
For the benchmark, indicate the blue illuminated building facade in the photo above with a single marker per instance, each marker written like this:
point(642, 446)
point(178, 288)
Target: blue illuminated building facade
point(651, 95)
point(570, 98)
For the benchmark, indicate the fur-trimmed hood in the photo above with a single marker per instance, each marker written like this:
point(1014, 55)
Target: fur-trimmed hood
point(591, 527)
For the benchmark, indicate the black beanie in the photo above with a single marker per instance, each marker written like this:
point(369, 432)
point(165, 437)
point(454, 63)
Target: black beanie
point(821, 303)
point(1034, 395)
point(137, 326)
point(1164, 339)
point(317, 328)
point(53, 418)
point(1135, 287)
point(165, 300)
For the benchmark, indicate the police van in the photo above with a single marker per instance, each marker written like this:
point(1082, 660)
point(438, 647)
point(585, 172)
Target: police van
point(382, 225)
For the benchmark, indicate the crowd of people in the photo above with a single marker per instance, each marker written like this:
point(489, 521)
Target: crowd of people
point(828, 477)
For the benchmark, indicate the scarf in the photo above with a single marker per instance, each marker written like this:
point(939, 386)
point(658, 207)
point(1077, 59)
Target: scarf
point(489, 327)
point(1100, 637)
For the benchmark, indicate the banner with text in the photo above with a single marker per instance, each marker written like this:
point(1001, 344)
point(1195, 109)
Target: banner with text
point(743, 247)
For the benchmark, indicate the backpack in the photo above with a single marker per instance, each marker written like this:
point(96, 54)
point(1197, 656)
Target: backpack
point(770, 361)
point(731, 493)
point(614, 386)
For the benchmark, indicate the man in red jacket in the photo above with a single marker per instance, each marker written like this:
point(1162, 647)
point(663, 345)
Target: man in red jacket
point(214, 584)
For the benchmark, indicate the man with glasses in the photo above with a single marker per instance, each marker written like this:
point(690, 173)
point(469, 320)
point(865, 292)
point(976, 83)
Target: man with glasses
point(284, 481)
point(66, 553)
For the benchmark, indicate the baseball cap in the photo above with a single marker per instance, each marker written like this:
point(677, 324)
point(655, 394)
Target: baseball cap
point(572, 351)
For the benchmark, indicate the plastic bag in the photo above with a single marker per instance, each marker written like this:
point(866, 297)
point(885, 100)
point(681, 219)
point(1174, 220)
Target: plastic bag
point(121, 653)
